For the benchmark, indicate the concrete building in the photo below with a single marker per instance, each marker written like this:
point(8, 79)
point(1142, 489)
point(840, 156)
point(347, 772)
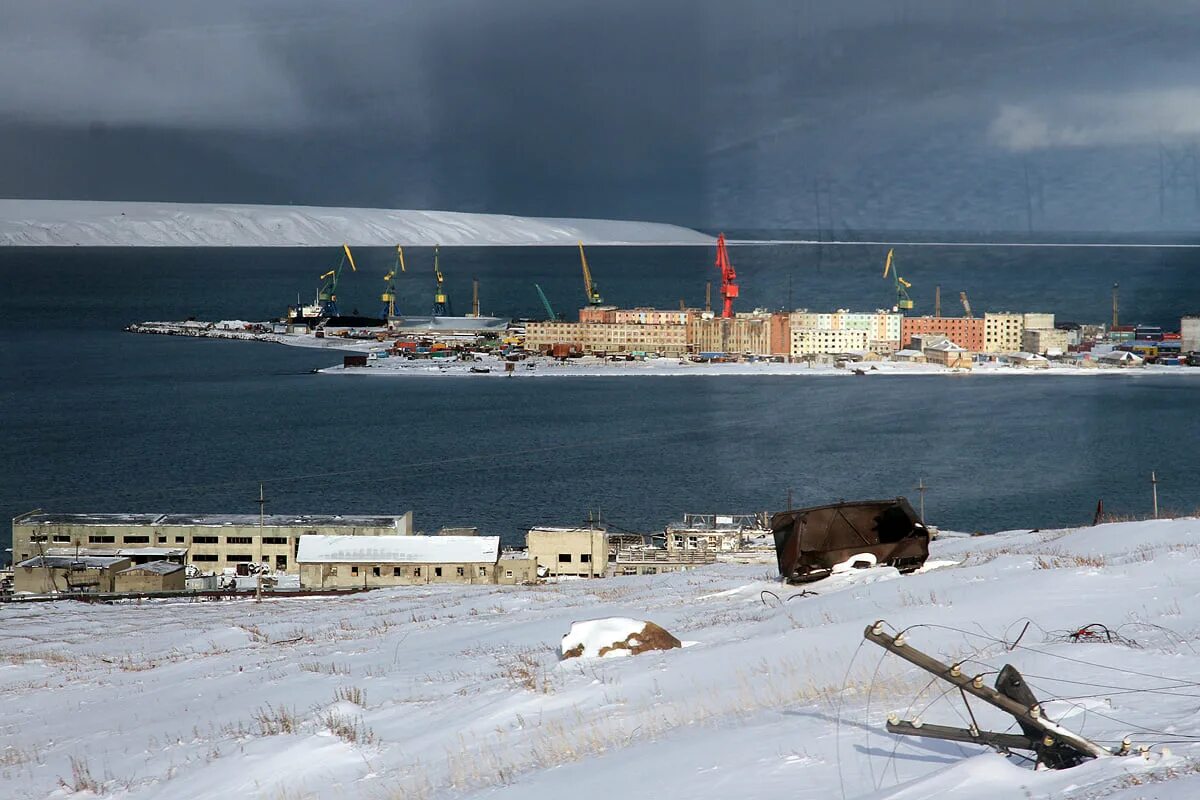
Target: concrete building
point(602, 314)
point(883, 327)
point(1029, 360)
point(213, 541)
point(948, 354)
point(713, 532)
point(1044, 341)
point(153, 576)
point(608, 337)
point(1189, 331)
point(967, 333)
point(1002, 332)
point(49, 574)
point(642, 560)
point(582, 552)
point(345, 562)
point(744, 333)
point(652, 316)
point(1038, 320)
point(811, 341)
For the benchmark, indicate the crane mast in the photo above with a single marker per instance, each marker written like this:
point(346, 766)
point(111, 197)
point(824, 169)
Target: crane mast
point(441, 301)
point(903, 301)
point(327, 294)
point(389, 291)
point(729, 287)
point(589, 287)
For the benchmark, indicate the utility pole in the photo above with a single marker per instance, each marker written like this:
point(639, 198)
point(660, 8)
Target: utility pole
point(1116, 290)
point(1154, 490)
point(921, 487)
point(262, 506)
point(708, 297)
point(475, 297)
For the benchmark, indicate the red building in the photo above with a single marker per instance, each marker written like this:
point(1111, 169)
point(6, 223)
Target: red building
point(964, 332)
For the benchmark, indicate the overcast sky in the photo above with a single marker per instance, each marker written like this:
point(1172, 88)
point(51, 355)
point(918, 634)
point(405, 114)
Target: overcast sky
point(875, 114)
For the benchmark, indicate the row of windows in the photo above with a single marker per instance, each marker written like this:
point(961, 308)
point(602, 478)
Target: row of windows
point(100, 538)
point(565, 558)
point(398, 572)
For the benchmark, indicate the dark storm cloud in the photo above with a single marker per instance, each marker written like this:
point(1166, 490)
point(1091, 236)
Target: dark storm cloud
point(879, 113)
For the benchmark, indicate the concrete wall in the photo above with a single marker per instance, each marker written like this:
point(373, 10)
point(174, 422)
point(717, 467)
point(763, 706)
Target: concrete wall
point(585, 551)
point(40, 580)
point(346, 576)
point(1189, 330)
point(150, 581)
point(1042, 340)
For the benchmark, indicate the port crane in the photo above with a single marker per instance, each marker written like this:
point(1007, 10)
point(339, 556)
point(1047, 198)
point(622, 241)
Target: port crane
point(966, 305)
point(729, 287)
point(327, 294)
point(441, 301)
point(589, 286)
point(550, 315)
point(903, 301)
point(389, 291)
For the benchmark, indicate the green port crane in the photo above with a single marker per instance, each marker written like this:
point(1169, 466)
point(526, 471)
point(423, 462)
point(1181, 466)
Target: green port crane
point(389, 291)
point(441, 300)
point(550, 315)
point(327, 294)
point(903, 301)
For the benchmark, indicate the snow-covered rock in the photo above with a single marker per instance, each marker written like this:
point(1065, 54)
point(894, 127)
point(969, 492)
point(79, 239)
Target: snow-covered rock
point(615, 636)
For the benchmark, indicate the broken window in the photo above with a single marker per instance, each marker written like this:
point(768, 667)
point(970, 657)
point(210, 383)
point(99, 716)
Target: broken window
point(564, 558)
point(395, 572)
point(586, 558)
point(483, 572)
point(416, 572)
point(354, 570)
point(375, 571)
point(459, 572)
point(437, 572)
point(280, 562)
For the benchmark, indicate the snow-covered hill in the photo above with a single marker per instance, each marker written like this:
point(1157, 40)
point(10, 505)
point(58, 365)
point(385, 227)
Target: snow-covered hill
point(458, 691)
point(99, 224)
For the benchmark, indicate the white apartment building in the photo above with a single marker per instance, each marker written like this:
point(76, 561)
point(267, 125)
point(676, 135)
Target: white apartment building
point(1002, 331)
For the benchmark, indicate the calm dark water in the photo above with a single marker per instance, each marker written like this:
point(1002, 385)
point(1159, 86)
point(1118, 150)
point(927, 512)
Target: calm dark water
point(98, 420)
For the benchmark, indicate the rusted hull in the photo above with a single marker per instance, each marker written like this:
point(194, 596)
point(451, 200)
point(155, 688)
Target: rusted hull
point(809, 542)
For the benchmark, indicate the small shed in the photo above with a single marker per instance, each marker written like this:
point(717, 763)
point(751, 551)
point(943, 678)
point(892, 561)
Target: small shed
point(49, 574)
point(153, 576)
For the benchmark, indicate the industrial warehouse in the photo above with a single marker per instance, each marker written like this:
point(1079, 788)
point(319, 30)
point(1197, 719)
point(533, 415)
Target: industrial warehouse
point(145, 554)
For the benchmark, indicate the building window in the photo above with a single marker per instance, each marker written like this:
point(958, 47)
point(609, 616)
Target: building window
point(395, 572)
point(280, 562)
point(204, 557)
point(66, 539)
point(564, 558)
point(239, 558)
point(416, 572)
point(179, 540)
point(101, 539)
point(239, 540)
point(375, 572)
point(275, 540)
point(508, 573)
point(459, 572)
point(37, 537)
point(437, 572)
point(483, 572)
point(204, 540)
point(162, 540)
point(136, 539)
point(586, 558)
point(354, 570)
point(333, 571)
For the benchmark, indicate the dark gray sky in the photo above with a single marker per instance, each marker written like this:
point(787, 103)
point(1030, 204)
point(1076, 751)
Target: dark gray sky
point(883, 113)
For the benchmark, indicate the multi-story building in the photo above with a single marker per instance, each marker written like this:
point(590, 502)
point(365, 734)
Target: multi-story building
point(809, 341)
point(1002, 332)
point(966, 332)
point(948, 354)
point(608, 337)
point(1043, 341)
point(212, 541)
point(883, 328)
point(344, 562)
point(1189, 332)
point(598, 314)
point(653, 316)
point(744, 333)
point(581, 552)
point(1038, 321)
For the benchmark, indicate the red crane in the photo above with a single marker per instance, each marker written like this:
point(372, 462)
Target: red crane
point(729, 287)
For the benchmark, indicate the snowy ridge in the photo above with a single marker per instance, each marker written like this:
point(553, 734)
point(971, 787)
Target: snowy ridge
point(66, 223)
point(457, 691)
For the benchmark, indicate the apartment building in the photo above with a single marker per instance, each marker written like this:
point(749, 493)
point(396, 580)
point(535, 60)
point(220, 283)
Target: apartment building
point(1002, 332)
point(608, 337)
point(883, 328)
point(744, 333)
point(809, 341)
point(966, 332)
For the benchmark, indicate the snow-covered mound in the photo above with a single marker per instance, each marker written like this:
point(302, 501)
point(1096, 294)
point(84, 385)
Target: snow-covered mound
point(458, 691)
point(98, 224)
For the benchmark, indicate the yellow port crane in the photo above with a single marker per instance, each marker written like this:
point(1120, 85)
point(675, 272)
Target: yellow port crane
point(389, 291)
point(966, 305)
point(903, 301)
point(592, 290)
point(441, 301)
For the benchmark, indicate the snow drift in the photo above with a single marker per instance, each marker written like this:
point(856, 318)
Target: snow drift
point(118, 224)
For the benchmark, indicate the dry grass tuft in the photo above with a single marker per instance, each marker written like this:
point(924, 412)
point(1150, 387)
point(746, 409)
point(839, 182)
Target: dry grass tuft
point(275, 721)
point(349, 730)
point(351, 694)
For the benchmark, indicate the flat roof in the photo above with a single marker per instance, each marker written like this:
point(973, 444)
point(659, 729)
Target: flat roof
point(66, 562)
point(157, 567)
point(117, 551)
point(270, 520)
point(398, 549)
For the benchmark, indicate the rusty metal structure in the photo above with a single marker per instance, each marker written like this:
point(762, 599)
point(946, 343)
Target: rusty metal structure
point(809, 542)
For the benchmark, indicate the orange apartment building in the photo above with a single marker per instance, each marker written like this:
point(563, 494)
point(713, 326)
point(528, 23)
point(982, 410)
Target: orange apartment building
point(964, 332)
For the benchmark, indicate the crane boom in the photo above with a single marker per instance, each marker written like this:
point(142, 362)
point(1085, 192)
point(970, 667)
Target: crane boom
point(903, 301)
point(966, 305)
point(729, 287)
point(441, 303)
point(589, 286)
point(550, 315)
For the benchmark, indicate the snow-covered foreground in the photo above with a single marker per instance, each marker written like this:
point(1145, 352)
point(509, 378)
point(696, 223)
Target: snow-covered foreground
point(590, 366)
point(69, 223)
point(458, 691)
